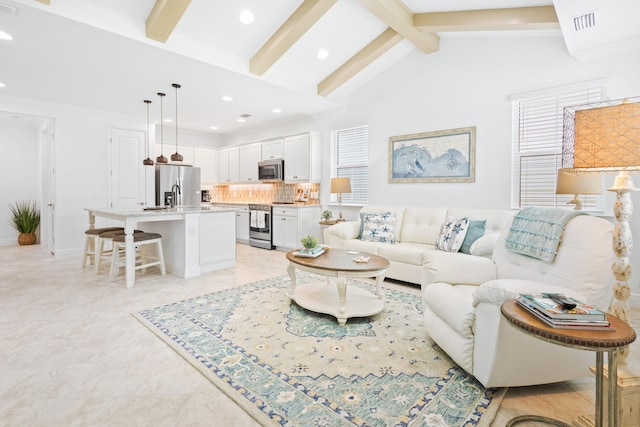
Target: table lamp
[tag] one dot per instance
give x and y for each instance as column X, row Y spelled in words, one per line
column 605, row 137
column 340, row 185
column 573, row 183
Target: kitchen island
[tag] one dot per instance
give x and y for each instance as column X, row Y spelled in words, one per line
column 195, row 240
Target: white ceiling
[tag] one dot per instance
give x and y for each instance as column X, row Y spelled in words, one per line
column 94, row 53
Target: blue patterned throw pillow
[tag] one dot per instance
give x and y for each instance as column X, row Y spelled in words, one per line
column 452, row 234
column 378, row 227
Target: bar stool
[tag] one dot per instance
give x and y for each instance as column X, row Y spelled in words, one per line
column 141, row 240
column 102, row 254
column 91, row 243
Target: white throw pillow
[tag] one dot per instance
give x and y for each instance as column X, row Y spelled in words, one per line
column 484, row 245
column 378, row 227
column 452, row 234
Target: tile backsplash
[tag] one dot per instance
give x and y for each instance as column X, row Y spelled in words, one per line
column 265, row 193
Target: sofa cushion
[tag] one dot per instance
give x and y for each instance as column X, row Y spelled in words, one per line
column 409, row 253
column 474, row 232
column 379, row 227
column 452, row 234
column 362, row 246
column 421, row 225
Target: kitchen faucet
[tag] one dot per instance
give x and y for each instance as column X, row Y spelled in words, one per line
column 175, row 191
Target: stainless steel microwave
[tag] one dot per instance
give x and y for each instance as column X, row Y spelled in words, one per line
column 271, row 170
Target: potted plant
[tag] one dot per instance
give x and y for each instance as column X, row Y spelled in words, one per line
column 309, row 243
column 327, row 215
column 25, row 218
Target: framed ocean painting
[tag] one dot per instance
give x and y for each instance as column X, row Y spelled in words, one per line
column 440, row 156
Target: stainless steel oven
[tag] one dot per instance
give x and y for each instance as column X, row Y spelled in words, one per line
column 261, row 226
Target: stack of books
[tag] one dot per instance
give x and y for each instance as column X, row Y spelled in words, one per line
column 561, row 312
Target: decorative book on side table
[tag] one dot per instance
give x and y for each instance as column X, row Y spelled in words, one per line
column 569, row 313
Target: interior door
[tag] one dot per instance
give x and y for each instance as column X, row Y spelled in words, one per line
column 47, row 227
column 127, row 171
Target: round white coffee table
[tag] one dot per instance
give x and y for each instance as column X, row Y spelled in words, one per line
column 321, row 297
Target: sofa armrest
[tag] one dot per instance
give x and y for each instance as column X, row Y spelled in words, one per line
column 456, row 268
column 335, row 235
column 345, row 230
column 499, row 291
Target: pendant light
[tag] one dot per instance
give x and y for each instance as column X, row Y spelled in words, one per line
column 176, row 157
column 161, row 158
column 147, row 161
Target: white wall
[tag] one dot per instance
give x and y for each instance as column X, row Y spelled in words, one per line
column 21, row 170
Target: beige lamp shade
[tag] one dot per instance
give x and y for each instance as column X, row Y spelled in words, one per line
column 602, row 137
column 572, row 183
column 340, row 185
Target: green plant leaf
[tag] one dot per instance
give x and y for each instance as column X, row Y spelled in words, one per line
column 25, row 216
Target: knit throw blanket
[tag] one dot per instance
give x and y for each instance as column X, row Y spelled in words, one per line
column 536, row 232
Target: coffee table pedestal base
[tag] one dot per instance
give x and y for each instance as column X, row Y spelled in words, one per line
column 323, row 298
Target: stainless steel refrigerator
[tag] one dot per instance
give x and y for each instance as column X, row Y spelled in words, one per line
column 179, row 182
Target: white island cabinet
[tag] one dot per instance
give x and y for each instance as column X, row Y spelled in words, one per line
column 194, row 240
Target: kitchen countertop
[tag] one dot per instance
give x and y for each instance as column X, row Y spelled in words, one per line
column 159, row 211
column 280, row 205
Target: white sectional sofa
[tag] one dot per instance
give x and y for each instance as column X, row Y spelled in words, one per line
column 415, row 231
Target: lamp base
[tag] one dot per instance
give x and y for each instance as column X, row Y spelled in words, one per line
column 576, row 201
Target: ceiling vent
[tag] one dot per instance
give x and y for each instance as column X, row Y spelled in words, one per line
column 7, row 8
column 585, row 21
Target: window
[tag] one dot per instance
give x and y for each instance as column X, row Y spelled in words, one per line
column 537, row 145
column 351, row 160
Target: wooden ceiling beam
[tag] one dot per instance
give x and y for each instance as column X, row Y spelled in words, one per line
column 359, row 61
column 518, row 18
column 164, row 17
column 397, row 16
column 47, row 2
column 304, row 17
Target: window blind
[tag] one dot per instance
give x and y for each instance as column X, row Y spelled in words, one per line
column 537, row 147
column 352, row 161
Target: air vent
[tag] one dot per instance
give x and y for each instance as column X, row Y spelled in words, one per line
column 584, row 22
column 7, row 8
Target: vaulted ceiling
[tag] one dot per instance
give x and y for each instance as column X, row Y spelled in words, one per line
column 112, row 54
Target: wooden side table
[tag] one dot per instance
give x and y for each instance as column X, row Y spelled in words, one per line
column 326, row 224
column 598, row 341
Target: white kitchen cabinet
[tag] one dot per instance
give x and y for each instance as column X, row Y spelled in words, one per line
column 302, row 157
column 229, row 166
column 273, row 149
column 207, row 160
column 250, row 155
column 291, row 224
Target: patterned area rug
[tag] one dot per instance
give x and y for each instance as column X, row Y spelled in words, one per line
column 285, row 365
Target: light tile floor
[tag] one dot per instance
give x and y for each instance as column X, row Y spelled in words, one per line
column 72, row 355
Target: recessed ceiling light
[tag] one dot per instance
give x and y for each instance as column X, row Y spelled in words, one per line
column 2, row 84
column 323, row 53
column 241, row 120
column 227, row 98
column 214, row 127
column 5, row 36
column 246, row 17
column 168, row 120
column 276, row 110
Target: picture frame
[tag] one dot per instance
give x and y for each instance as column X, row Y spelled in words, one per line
column 439, row 156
